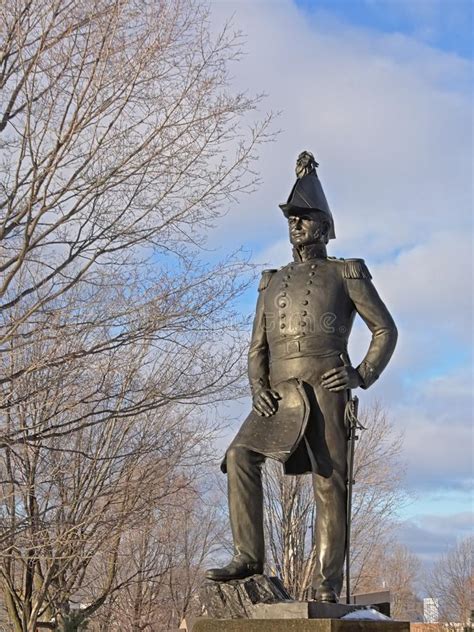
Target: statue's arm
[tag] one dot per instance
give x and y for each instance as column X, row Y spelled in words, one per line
column 376, row 316
column 258, row 351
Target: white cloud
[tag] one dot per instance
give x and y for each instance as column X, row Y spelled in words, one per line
column 382, row 115
column 430, row 284
column 389, row 119
column 430, row 535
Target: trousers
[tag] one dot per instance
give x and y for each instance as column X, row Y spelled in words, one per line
column 245, row 495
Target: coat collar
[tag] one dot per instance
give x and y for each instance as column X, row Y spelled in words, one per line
column 309, row 252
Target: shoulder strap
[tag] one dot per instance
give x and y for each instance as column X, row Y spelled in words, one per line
column 356, row 269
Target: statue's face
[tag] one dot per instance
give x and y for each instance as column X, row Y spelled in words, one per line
column 307, row 229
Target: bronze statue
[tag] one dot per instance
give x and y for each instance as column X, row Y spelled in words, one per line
column 301, row 380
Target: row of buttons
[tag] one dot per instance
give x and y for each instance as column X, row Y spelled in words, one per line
column 303, row 313
column 282, row 303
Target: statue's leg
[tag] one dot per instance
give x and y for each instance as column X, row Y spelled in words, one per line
column 244, row 482
column 245, row 493
column 330, row 495
column 330, row 535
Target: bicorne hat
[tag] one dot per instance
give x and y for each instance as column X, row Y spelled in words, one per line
column 307, row 195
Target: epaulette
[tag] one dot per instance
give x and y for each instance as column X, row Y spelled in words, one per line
column 356, row 269
column 265, row 280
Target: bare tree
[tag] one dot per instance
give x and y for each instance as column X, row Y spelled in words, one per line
column 170, row 552
column 378, row 494
column 66, row 503
column 289, row 522
column 120, row 143
column 394, row 567
column 69, row 507
column 399, row 571
column 116, row 133
column 451, row 582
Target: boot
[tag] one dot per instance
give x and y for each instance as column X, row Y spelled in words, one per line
column 236, row 569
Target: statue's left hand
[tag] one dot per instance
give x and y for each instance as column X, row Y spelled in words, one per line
column 342, row 377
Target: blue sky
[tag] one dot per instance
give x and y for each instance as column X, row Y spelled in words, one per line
column 444, row 24
column 381, row 92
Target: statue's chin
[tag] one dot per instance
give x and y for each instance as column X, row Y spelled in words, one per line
column 299, row 241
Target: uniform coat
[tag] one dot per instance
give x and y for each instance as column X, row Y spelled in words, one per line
column 302, row 324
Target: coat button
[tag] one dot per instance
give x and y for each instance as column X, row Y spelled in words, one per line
column 282, row 315
column 305, row 302
column 304, row 313
column 282, row 293
column 313, row 266
column 303, row 323
column 309, row 283
column 284, row 285
column 308, row 291
column 311, row 274
column 282, row 326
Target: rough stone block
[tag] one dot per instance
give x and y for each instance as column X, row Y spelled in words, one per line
column 298, row 625
column 236, row 599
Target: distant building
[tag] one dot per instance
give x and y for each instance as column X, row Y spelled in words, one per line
column 430, row 610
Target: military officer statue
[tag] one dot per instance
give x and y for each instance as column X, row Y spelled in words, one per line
column 301, row 380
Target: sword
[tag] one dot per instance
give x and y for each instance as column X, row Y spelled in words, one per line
column 353, row 425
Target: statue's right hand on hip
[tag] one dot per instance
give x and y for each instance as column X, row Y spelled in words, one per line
column 265, row 402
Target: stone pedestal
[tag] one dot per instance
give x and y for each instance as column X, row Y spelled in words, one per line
column 262, row 597
column 261, row 604
column 302, row 610
column 297, row 625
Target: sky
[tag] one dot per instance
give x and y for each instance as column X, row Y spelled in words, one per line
column 381, row 92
